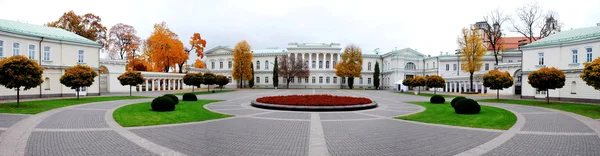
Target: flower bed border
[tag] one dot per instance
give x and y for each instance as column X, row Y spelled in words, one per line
column 313, row 108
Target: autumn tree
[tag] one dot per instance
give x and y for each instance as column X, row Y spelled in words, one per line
column 492, row 31
column 209, row 79
column 78, row 76
column 87, row 25
column 242, row 58
column 407, row 82
column 138, row 64
column 531, row 19
column 199, row 64
column 434, row 81
column 19, row 72
column 292, row 67
column 197, row 45
column 251, row 81
column 131, row 78
column 591, row 73
column 166, row 51
column 547, row 78
column 471, row 52
column 376, row 74
column 222, row 81
column 497, row 80
column 419, row 81
column 122, row 40
column 351, row 63
column 193, row 79
column 276, row 74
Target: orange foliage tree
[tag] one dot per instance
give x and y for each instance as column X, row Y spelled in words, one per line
column 122, row 40
column 419, row 81
column 138, row 64
column 242, row 58
column 78, row 76
column 471, row 52
column 497, row 80
column 87, row 25
column 351, row 64
column 547, row 78
column 166, row 51
column 199, row 64
column 20, row 72
column 197, row 45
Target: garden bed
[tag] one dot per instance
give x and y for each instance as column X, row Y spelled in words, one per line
column 323, row 102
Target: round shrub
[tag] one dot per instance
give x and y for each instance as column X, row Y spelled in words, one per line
column 163, row 104
column 453, row 102
column 437, row 99
column 189, row 97
column 175, row 99
column 467, row 106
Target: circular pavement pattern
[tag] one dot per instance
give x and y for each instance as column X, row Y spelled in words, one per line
column 90, row 130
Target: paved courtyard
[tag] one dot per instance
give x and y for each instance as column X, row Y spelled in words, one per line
column 90, row 130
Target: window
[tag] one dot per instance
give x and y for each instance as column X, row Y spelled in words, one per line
column 360, row 81
column 230, row 79
column 1, row 48
column 212, row 65
column 434, row 65
column 454, row 67
column 588, row 56
column 299, row 80
column 220, row 65
column 314, row 80
column 510, row 61
column 410, row 66
column 16, row 49
column 266, row 79
column 334, row 79
column 447, row 67
column 229, row 64
column 47, row 53
column 306, row 79
column 266, row 64
column 257, row 79
column 80, row 56
column 320, row 64
column 540, row 58
column 487, row 66
column 327, row 64
column 327, row 79
column 333, row 64
column 306, row 62
column 320, row 79
column 314, row 64
column 575, row 56
column 31, row 51
column 343, row 80
column 369, row 66
column 573, row 87
column 257, row 64
column 292, row 80
column 47, row 84
column 427, row 65
column 369, row 81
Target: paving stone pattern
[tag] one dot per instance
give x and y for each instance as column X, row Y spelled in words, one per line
column 554, row 123
column 534, row 144
column 73, row 119
column 7, row 120
column 286, row 115
column 81, row 143
column 343, row 116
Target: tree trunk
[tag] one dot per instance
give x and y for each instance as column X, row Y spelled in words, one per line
column 434, row 91
column 208, row 88
column 77, row 94
column 547, row 97
column 497, row 95
column 18, row 100
column 192, row 89
column 496, row 56
column 130, row 90
column 419, row 92
column 288, row 84
column 471, row 83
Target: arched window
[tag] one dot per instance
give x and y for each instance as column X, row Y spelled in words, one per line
column 369, row 66
column 573, row 87
column 47, row 83
column 257, row 64
column 410, row 66
column 266, row 64
column 327, row 64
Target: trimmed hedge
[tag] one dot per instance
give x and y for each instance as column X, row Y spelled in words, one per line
column 163, row 104
column 437, row 99
column 453, row 102
column 467, row 106
column 173, row 97
column 189, row 97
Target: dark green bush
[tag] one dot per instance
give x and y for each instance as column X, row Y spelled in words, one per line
column 163, row 104
column 467, row 106
column 437, row 99
column 175, row 99
column 189, row 97
column 453, row 102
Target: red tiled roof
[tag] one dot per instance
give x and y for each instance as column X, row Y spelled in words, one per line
column 511, row 42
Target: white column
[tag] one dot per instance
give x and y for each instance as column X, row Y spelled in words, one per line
column 151, row 84
column 310, row 60
column 317, row 61
column 446, row 88
column 169, row 85
column 147, row 85
column 330, row 60
column 477, row 86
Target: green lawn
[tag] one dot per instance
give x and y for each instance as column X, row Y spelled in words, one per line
column 426, row 94
column 200, row 92
column 592, row 111
column 489, row 117
column 34, row 107
column 141, row 114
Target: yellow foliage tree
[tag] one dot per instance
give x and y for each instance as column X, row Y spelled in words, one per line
column 351, row 64
column 199, row 64
column 165, row 48
column 242, row 58
column 472, row 52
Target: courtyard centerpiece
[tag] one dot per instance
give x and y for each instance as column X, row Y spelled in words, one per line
column 323, row 102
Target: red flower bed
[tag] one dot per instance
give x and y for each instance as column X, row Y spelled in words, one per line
column 314, row 100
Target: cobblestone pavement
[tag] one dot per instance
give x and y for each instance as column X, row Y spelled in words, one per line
column 90, row 130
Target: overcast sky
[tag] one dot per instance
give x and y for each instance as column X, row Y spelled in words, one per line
column 428, row 26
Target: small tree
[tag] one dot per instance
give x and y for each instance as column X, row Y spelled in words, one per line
column 222, row 81
column 497, row 80
column 131, row 78
column 591, row 73
column 419, row 81
column 547, row 78
column 20, row 71
column 193, row 79
column 251, row 82
column 434, row 81
column 407, row 82
column 78, row 76
column 276, row 74
column 350, row 64
column 210, row 79
column 376, row 76
column 292, row 67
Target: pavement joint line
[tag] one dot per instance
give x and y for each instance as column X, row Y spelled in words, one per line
column 15, row 114
column 400, row 111
column 361, row 119
column 178, row 124
column 283, row 119
column 541, row 113
column 373, row 115
column 146, row 144
column 317, row 144
column 93, row 109
column 71, row 130
column 553, row 133
column 218, row 109
column 255, row 114
column 450, row 126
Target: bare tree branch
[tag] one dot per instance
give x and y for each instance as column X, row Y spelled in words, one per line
column 493, row 31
